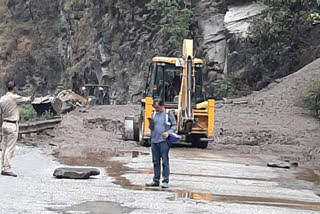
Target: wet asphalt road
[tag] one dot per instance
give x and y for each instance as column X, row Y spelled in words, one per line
column 200, row 183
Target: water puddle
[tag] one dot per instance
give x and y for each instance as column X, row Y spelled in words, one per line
column 92, row 157
column 226, row 177
column 101, row 158
column 95, row 207
column 311, row 175
column 275, row 202
column 134, row 154
column 117, row 170
column 150, row 172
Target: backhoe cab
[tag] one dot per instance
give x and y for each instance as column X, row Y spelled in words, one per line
column 178, row 82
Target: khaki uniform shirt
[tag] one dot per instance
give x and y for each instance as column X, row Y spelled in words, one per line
column 9, row 106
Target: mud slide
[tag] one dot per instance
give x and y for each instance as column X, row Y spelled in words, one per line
column 272, row 122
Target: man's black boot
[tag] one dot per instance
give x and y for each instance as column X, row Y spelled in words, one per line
column 8, row 174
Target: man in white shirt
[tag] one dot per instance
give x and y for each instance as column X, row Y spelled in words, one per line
column 9, row 121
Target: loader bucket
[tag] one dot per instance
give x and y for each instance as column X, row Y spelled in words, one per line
column 43, row 104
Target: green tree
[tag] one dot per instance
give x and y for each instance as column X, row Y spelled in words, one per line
column 178, row 17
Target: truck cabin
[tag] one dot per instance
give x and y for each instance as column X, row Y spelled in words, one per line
column 164, row 80
column 96, row 93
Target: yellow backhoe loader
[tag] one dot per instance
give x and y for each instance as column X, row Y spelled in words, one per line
column 178, row 82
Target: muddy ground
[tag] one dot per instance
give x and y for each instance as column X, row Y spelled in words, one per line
column 230, row 176
column 200, row 182
column 273, row 122
column 269, row 122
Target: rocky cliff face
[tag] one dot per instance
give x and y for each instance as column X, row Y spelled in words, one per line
column 221, row 23
column 48, row 45
column 70, row 43
column 28, row 45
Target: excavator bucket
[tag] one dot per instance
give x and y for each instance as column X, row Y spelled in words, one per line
column 64, row 102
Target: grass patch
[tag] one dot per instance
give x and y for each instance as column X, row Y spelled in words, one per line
column 27, row 114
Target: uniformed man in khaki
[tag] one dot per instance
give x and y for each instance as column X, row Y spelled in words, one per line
column 9, row 121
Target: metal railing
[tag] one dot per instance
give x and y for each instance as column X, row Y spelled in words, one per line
column 37, row 126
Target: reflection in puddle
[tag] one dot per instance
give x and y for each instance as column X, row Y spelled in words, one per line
column 95, row 207
column 193, row 195
column 136, row 154
column 133, row 154
column 145, row 171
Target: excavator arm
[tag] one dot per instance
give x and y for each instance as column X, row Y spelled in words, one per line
column 185, row 113
column 199, row 121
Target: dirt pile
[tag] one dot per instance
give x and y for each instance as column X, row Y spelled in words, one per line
column 83, row 130
column 271, row 121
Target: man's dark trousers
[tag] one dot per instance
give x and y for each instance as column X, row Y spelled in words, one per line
column 160, row 151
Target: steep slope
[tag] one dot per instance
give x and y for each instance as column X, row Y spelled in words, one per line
column 272, row 122
column 49, row 45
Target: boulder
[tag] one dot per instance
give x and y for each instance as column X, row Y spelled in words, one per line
column 75, row 173
column 237, row 19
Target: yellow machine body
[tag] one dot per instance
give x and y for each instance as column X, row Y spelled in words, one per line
column 192, row 120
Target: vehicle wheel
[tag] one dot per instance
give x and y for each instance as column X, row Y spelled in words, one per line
column 203, row 144
column 128, row 128
column 142, row 141
column 136, row 128
column 196, row 142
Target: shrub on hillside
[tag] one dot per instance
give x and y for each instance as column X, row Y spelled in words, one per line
column 223, row 89
column 47, row 115
column 275, row 43
column 310, row 96
column 27, row 113
column 178, row 18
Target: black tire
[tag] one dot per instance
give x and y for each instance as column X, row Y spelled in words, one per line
column 142, row 141
column 203, row 144
column 197, row 142
column 136, row 128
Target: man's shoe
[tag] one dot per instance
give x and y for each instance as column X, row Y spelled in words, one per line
column 8, row 174
column 152, row 184
column 165, row 185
